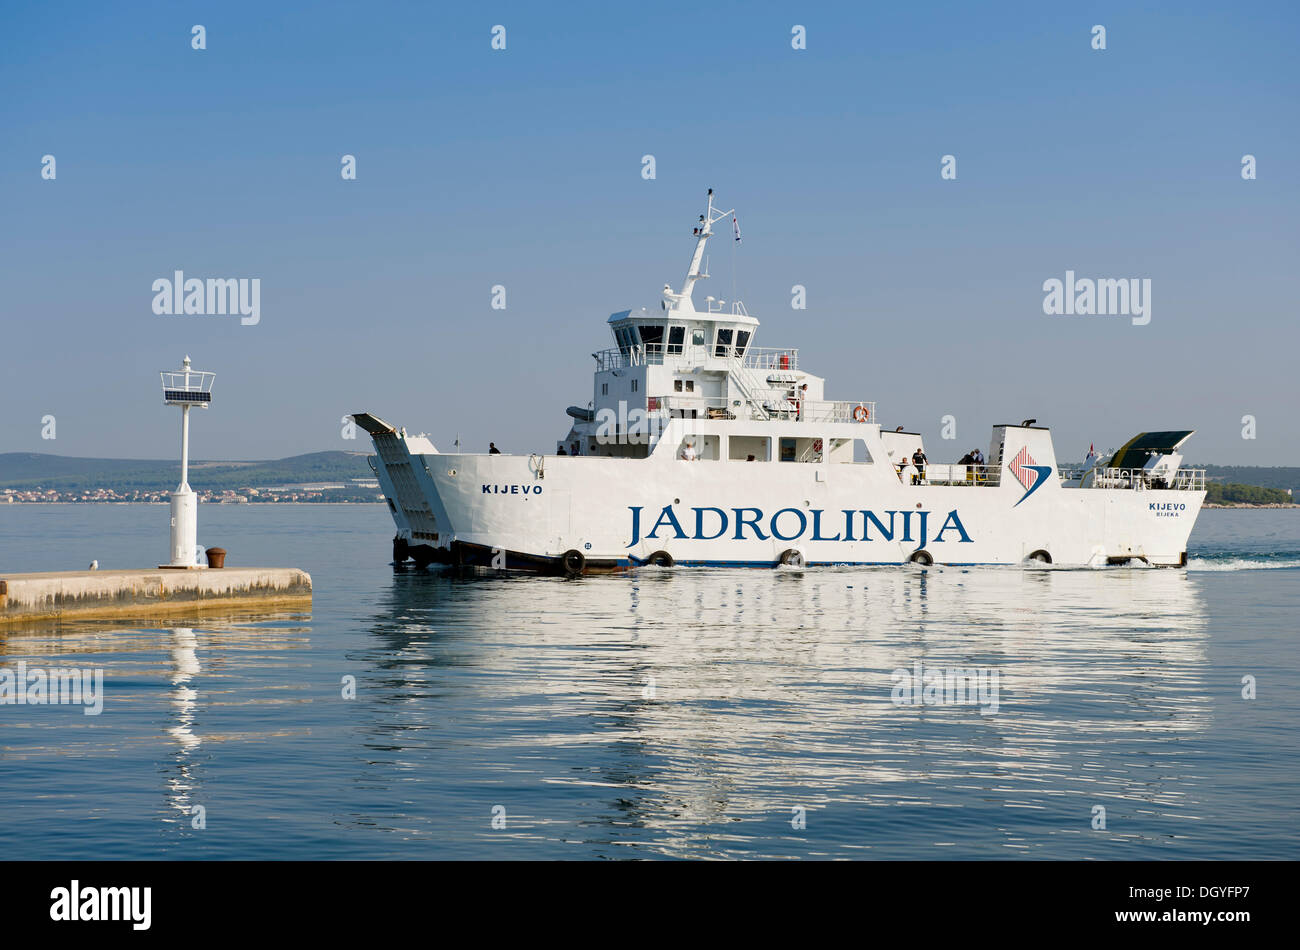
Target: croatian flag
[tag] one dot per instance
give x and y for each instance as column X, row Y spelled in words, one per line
column 735, row 225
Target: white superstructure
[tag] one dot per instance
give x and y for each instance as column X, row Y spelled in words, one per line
column 701, row 448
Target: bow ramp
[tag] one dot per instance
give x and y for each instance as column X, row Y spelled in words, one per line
column 404, row 477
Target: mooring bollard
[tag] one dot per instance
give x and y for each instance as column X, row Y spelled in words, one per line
column 216, row 557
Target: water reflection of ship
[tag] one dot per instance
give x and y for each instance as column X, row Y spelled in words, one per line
column 711, row 688
column 873, row 620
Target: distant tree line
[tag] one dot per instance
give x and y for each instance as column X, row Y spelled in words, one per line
column 1230, row 493
column 1266, row 476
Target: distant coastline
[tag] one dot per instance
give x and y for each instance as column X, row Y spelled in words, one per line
column 345, row 477
column 377, row 501
column 1244, row 504
column 315, row 478
column 268, row 501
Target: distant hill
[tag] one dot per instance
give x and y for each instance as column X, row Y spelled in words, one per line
column 29, row 470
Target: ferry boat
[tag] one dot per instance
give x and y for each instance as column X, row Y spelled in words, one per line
column 699, row 448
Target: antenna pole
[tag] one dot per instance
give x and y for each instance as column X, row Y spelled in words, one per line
column 703, row 233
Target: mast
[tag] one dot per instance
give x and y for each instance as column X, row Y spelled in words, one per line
column 703, row 231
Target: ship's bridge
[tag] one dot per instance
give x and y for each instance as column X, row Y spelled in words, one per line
column 679, row 362
column 644, row 337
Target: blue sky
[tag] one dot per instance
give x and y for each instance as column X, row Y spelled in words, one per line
column 522, row 167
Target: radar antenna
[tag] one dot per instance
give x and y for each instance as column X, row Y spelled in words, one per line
column 681, row 302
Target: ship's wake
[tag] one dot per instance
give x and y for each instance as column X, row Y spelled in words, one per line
column 1281, row 560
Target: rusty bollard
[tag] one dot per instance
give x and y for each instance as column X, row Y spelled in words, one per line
column 216, row 557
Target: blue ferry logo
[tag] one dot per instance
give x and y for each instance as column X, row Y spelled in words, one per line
column 1029, row 473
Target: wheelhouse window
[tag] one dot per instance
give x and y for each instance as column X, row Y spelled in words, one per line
column 651, row 336
column 624, row 337
column 697, row 336
column 676, row 339
column 723, row 345
column 742, row 341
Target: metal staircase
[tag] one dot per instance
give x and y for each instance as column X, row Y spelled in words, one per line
column 749, row 383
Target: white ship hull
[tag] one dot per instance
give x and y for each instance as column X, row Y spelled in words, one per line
column 520, row 512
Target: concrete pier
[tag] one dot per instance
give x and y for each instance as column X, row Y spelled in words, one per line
column 89, row 594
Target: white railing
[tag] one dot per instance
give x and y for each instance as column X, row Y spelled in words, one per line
column 1138, row 479
column 818, row 410
column 776, row 407
column 617, row 358
column 944, row 474
column 768, row 359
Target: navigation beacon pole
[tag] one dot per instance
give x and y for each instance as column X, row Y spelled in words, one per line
column 187, row 388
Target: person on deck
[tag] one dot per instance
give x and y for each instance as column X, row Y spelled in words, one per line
column 906, row 470
column 971, row 464
column 492, row 449
column 688, row 452
column 968, row 460
column 919, row 460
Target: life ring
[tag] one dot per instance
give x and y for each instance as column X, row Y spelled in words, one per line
column 660, row 559
column 574, row 562
column 861, row 414
column 817, row 445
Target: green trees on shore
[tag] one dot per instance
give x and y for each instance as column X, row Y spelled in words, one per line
column 1230, row 493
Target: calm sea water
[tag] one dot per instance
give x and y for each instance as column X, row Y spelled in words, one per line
column 669, row 713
